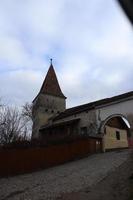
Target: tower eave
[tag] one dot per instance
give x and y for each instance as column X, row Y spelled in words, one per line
column 62, row 96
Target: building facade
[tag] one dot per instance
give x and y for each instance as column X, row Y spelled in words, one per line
column 110, row 119
column 49, row 102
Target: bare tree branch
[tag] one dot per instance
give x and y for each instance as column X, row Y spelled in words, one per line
column 12, row 125
column 27, row 111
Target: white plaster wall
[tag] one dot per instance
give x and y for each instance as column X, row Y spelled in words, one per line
column 125, row 108
column 87, row 118
column 110, row 140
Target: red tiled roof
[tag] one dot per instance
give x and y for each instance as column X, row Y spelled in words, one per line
column 51, row 85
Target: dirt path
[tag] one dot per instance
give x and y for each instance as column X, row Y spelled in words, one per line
column 118, row 185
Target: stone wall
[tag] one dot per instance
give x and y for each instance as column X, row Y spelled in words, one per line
column 87, row 119
column 45, row 107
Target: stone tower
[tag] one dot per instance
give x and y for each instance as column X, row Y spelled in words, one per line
column 49, row 102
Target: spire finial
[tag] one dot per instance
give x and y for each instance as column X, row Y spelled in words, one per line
column 51, row 61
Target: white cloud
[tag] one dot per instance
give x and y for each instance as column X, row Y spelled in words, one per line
column 18, row 85
column 12, row 51
column 116, row 43
column 91, row 44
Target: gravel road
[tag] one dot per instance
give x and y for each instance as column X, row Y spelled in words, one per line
column 71, row 177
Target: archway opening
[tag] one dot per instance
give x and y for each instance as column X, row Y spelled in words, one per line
column 118, row 122
column 116, row 131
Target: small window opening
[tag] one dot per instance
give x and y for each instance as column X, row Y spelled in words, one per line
column 83, row 130
column 117, row 135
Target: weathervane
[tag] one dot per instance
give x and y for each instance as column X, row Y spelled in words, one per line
column 51, row 61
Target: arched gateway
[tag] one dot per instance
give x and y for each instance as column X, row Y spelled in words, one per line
column 115, row 130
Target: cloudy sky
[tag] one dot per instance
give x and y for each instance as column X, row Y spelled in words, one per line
column 91, row 43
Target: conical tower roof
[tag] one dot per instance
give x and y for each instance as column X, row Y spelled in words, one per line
column 51, row 85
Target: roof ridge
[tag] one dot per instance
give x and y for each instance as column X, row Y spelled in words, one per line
column 92, row 102
column 91, row 105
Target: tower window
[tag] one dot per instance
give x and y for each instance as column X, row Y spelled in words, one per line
column 52, row 111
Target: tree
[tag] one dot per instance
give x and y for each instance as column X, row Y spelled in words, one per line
column 27, row 117
column 27, row 111
column 12, row 125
